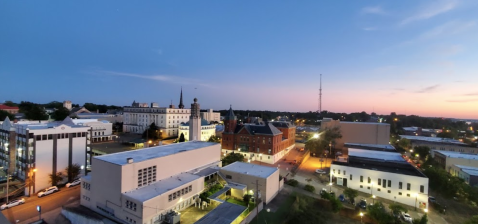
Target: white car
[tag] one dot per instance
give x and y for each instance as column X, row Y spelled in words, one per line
column 406, row 217
column 47, row 191
column 12, row 203
column 74, row 183
column 319, row 171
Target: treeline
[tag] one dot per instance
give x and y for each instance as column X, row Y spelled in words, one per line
column 34, row 111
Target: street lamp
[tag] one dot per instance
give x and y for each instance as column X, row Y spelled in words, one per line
column 330, row 184
column 361, row 215
column 373, row 199
column 371, row 188
column 425, row 210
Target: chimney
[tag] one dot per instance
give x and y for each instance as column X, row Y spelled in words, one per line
column 129, row 160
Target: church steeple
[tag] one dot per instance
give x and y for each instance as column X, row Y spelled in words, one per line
column 181, row 105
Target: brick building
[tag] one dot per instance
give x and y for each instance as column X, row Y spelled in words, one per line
column 263, row 141
column 12, row 110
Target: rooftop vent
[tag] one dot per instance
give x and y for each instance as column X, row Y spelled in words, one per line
column 129, row 160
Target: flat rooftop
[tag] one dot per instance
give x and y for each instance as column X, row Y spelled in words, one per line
column 370, row 123
column 376, row 155
column 390, row 162
column 225, row 213
column 472, row 171
column 160, row 187
column 433, row 139
column 153, row 152
column 458, row 155
column 386, row 147
column 250, row 169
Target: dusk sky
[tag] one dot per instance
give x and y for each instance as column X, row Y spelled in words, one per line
column 409, row 57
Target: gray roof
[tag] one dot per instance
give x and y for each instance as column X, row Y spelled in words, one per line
column 378, row 147
column 433, row 139
column 458, row 155
column 267, row 129
column 153, row 152
column 225, row 213
column 472, row 171
column 251, row 169
column 282, row 124
column 230, row 115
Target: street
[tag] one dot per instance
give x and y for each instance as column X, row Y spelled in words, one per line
column 20, row 213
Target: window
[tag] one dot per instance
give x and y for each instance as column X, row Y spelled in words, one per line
column 86, row 186
column 422, row 189
column 389, row 191
column 361, row 179
column 334, row 170
column 379, row 181
column 399, row 185
column 228, row 177
column 389, row 183
column 399, row 193
column 345, row 172
column 50, row 137
column 369, row 180
column 378, row 189
column 338, row 171
column 146, row 176
column 409, row 186
column 44, row 137
column 38, row 137
column 368, row 187
column 350, row 176
column 384, row 184
column 131, row 205
column 408, row 195
column 361, row 186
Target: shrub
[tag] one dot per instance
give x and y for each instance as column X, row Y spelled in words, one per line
column 247, row 198
column 309, row 188
column 293, row 182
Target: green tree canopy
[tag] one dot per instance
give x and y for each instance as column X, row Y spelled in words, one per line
column 73, row 171
column 60, row 114
column 423, row 151
column 55, row 178
column 32, row 111
column 5, row 114
column 232, row 158
column 10, row 103
column 350, row 193
column 153, row 133
column 379, row 214
column 214, row 138
column 320, row 144
column 472, row 220
column 304, row 210
column 404, row 143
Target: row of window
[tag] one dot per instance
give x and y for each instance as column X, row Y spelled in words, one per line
column 131, row 205
column 384, row 183
column 60, row 136
column 86, row 185
column 130, row 220
column 146, row 175
column 178, row 194
column 86, row 198
column 399, row 193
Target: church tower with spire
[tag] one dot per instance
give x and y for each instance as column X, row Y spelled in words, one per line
column 195, row 122
column 181, row 105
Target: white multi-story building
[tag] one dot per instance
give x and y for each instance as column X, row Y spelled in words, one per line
column 46, row 148
column 207, row 130
column 100, row 131
column 144, row 186
column 211, row 116
column 383, row 174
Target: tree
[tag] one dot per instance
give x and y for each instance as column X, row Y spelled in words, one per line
column 181, row 138
column 423, row 151
column 472, row 220
column 320, row 144
column 303, row 210
column 73, row 171
column 214, row 138
column 404, row 143
column 10, row 103
column 55, row 178
column 60, row 114
column 350, row 193
column 232, row 158
column 335, row 203
column 247, row 198
column 153, row 133
column 379, row 214
column 5, row 114
column 32, row 111
column 309, row 188
column 422, row 220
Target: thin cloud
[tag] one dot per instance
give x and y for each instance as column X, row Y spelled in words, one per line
column 428, row 89
column 432, row 10
column 471, row 94
column 373, row 10
column 160, row 78
column 448, row 28
column 370, row 28
column 462, row 101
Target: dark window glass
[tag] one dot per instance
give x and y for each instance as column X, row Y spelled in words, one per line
column 50, row 137
column 38, row 137
column 44, row 137
column 408, row 186
column 422, row 189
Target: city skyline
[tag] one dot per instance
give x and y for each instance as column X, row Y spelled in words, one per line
column 404, row 57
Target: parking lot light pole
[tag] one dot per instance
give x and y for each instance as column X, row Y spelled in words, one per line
column 361, row 216
column 330, row 189
column 373, row 199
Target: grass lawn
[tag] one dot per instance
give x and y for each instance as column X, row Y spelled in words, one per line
column 237, row 202
column 279, row 215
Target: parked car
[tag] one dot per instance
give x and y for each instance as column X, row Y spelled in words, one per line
column 319, row 171
column 432, row 199
column 362, row 204
column 406, row 217
column 73, row 183
column 47, row 191
column 342, row 198
column 12, row 203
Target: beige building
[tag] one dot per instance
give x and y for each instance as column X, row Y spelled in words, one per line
column 211, row 116
column 468, row 173
column 243, row 177
column 151, row 184
column 358, row 132
column 442, row 144
column 447, row 159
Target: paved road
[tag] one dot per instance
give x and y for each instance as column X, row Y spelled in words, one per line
column 47, row 203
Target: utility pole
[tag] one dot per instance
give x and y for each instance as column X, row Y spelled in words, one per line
column 320, row 95
column 257, row 198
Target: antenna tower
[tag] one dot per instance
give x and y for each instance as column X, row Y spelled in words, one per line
column 320, row 95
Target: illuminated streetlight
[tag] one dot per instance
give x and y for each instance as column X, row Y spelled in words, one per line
column 330, row 184
column 373, row 199
column 361, row 215
column 425, row 210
